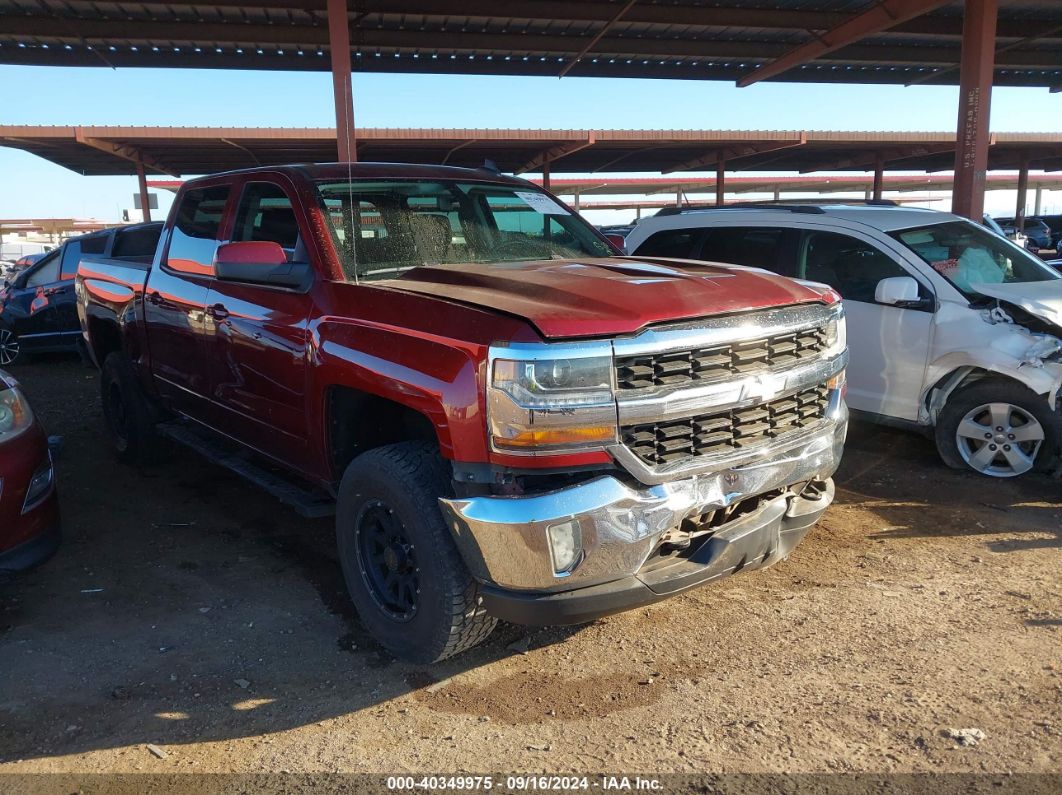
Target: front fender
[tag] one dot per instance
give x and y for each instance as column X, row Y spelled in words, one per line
column 436, row 377
column 1044, row 380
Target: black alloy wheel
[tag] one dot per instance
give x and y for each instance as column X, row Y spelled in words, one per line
column 388, row 561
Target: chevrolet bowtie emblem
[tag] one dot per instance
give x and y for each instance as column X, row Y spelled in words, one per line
column 764, row 386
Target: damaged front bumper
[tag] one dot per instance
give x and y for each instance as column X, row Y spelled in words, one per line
column 767, row 505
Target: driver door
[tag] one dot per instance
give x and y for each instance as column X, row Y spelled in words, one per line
column 888, row 345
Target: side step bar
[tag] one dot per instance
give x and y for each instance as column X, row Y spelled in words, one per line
column 308, row 501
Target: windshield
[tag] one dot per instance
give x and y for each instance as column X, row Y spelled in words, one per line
column 383, row 229
column 967, row 255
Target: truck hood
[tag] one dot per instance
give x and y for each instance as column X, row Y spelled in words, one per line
column 1042, row 299
column 606, row 296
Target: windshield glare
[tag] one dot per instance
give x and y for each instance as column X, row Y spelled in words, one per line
column 382, row 229
column 967, row 255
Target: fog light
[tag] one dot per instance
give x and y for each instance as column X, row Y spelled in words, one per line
column 565, row 546
column 40, row 486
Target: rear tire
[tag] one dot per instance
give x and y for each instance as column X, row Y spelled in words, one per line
column 405, row 576
column 998, row 429
column 128, row 413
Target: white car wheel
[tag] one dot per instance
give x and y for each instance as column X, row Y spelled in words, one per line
column 999, row 439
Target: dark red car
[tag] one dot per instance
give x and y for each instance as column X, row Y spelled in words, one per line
column 29, row 508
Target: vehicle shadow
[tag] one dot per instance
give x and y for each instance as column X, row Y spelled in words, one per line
column 186, row 606
column 917, row 496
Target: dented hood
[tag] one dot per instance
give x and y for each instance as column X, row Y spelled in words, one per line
column 608, row 296
column 1042, row 299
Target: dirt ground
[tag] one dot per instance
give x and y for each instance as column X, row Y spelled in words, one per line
column 189, row 611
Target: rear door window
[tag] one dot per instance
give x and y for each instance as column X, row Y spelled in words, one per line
column 677, row 243
column 194, row 239
column 137, row 244
column 81, row 247
column 753, row 246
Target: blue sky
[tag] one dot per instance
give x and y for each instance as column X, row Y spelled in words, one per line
column 32, row 187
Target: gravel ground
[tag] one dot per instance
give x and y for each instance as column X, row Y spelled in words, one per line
column 191, row 624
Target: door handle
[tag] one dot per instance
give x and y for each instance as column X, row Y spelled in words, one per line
column 218, row 311
column 154, row 298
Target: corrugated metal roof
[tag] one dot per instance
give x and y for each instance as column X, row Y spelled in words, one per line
column 723, row 40
column 200, row 150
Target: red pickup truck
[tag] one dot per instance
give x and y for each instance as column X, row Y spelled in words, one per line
column 508, row 419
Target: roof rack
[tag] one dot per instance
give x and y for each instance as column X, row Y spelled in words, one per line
column 818, row 202
column 809, row 206
column 793, row 208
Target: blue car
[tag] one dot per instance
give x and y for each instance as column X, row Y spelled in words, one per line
column 1037, row 233
column 38, row 308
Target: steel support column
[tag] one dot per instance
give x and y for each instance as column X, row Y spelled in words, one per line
column 545, row 174
column 145, row 204
column 1023, row 192
column 339, row 44
column 879, row 176
column 975, row 98
column 720, row 182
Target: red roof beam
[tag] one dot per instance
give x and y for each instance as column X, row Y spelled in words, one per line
column 886, row 14
column 556, row 153
column 732, row 153
column 864, row 161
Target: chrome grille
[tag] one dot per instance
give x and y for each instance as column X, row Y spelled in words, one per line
column 690, row 367
column 725, row 431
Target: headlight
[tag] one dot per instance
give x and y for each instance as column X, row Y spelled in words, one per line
column 551, row 398
column 15, row 414
column 836, row 334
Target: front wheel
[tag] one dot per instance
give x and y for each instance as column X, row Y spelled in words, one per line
column 9, row 347
column 405, row 576
column 1000, row 429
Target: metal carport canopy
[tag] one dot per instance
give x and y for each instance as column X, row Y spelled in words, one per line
column 202, row 150
column 848, row 41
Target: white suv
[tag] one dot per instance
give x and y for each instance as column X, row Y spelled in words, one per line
column 950, row 327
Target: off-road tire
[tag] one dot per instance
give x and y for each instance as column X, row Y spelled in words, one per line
column 407, row 479
column 997, row 390
column 128, row 414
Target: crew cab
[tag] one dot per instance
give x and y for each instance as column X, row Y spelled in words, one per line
column 509, row 420
column 38, row 310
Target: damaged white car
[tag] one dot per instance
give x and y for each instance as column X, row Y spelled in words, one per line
column 951, row 329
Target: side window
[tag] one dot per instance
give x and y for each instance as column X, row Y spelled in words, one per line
column 678, row 243
column 137, row 244
column 265, row 213
column 47, row 271
column 752, row 246
column 194, row 239
column 76, row 249
column 853, row 268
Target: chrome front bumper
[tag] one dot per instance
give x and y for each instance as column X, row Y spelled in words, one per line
column 504, row 542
